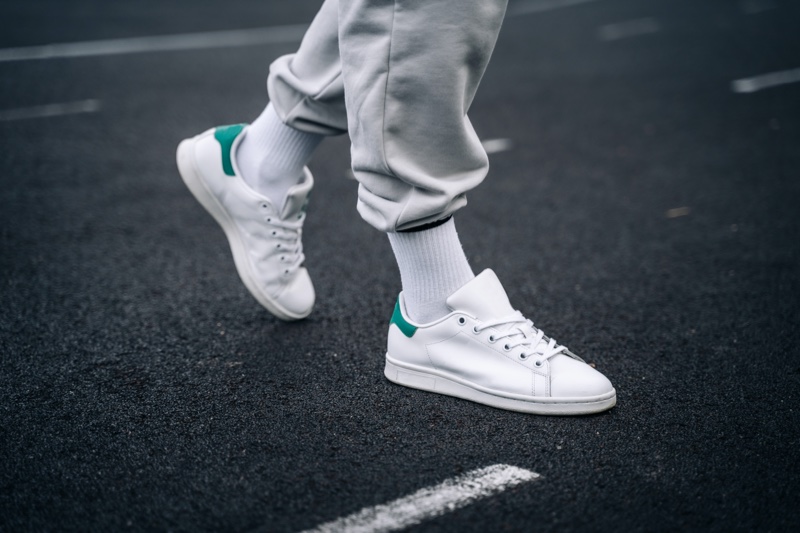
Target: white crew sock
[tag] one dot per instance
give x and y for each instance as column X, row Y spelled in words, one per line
column 432, row 267
column 272, row 155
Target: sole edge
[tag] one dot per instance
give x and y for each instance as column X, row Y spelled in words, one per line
column 417, row 379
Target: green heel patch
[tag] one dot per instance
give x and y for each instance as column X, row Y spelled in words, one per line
column 398, row 320
column 225, row 135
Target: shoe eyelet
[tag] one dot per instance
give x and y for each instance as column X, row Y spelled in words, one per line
column 269, row 219
column 462, row 320
column 506, row 347
column 491, row 338
column 523, row 356
column 278, row 245
column 274, row 233
column 538, row 363
column 263, row 206
column 475, row 330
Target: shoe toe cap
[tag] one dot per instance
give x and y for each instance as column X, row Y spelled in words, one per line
column 570, row 378
column 298, row 297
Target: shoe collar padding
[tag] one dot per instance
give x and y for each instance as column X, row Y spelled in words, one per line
column 483, row 297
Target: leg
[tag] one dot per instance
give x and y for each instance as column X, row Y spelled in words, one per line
column 410, row 70
column 253, row 179
column 306, row 103
column 306, row 87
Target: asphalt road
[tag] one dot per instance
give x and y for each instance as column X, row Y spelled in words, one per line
column 647, row 216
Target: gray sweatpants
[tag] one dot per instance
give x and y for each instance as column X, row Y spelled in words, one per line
column 399, row 76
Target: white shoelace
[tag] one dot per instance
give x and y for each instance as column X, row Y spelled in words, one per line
column 291, row 232
column 520, row 331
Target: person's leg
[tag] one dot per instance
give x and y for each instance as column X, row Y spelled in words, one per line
column 306, row 104
column 306, row 87
column 410, row 70
column 253, row 179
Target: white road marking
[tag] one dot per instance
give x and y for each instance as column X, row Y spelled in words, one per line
column 628, row 28
column 676, row 212
column 50, row 110
column 492, row 146
column 431, row 501
column 159, row 43
column 527, row 7
column 765, row 81
column 753, row 7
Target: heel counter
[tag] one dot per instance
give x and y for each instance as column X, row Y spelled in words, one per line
column 225, row 135
column 400, row 321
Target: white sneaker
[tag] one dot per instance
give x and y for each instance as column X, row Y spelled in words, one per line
column 487, row 352
column 265, row 239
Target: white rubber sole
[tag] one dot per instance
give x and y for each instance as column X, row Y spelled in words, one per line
column 439, row 382
column 197, row 186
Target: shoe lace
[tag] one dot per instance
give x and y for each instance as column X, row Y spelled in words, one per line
column 289, row 233
column 520, row 331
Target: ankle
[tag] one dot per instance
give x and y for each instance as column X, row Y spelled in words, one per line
column 272, row 155
column 432, row 266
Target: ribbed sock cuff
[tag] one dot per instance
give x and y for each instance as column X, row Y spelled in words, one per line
column 272, row 155
column 432, row 267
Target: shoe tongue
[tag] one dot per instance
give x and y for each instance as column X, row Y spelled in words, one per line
column 297, row 197
column 483, row 297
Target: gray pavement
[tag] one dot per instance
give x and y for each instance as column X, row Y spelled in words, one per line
column 647, row 216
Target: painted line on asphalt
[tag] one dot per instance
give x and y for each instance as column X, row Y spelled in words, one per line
column 431, row 501
column 677, row 212
column 754, row 7
column 527, row 7
column 159, row 43
column 50, row 110
column 492, row 146
column 766, row 81
column 628, row 28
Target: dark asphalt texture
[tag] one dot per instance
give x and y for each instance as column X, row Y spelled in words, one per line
column 144, row 389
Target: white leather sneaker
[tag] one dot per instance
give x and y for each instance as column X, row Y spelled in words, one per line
column 487, row 352
column 265, row 239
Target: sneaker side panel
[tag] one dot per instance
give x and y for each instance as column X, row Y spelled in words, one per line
column 449, row 358
column 450, row 349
